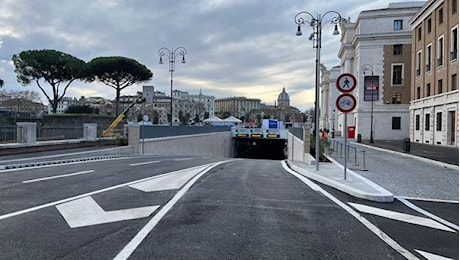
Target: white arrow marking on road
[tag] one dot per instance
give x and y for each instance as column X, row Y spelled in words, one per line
column 431, row 256
column 400, row 217
column 86, row 212
column 170, row 181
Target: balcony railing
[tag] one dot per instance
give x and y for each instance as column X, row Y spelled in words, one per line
column 453, row 55
column 428, row 67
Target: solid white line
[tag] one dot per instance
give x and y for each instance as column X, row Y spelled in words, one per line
column 428, row 214
column 411, row 219
column 54, row 203
column 374, row 229
column 183, row 159
column 143, row 163
column 139, row 237
column 58, row 176
column 427, row 199
column 431, row 256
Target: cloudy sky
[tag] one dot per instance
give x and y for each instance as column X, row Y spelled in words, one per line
column 234, row 47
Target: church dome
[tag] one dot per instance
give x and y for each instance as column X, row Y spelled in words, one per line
column 283, row 98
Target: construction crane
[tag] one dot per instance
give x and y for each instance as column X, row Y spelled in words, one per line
column 109, row 132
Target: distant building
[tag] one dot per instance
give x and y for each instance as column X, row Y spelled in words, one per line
column 283, row 99
column 236, row 106
column 434, row 90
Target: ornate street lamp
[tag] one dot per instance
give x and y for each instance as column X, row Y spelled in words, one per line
column 364, row 68
column 316, row 23
column 172, row 55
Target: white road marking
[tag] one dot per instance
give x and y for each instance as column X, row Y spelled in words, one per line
column 172, row 181
column 428, row 214
column 426, row 222
column 143, row 163
column 426, row 199
column 57, row 176
column 86, row 212
column 183, row 159
column 54, row 203
column 374, row 229
column 431, row 256
column 126, row 252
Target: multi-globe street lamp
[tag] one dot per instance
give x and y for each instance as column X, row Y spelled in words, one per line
column 172, row 55
column 365, row 68
column 316, row 23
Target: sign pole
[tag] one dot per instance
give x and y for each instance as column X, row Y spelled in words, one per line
column 345, row 128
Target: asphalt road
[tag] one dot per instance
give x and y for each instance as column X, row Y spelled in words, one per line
column 203, row 208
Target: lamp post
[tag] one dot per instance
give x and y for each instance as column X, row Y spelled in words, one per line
column 317, row 24
column 364, row 68
column 172, row 55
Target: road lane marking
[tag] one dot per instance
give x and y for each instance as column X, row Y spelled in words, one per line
column 58, row 176
column 126, row 252
column 374, row 229
column 168, row 182
column 428, row 199
column 428, row 214
column 143, row 163
column 431, row 256
column 182, row 159
column 86, row 212
column 411, row 219
column 54, row 203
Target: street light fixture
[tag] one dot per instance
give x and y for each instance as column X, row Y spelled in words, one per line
column 172, row 55
column 317, row 24
column 364, row 68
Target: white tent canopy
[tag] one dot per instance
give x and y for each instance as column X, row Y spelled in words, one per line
column 212, row 119
column 232, row 119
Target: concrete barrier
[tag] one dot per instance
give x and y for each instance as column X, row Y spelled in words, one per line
column 217, row 144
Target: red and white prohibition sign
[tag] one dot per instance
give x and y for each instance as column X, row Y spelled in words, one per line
column 345, row 103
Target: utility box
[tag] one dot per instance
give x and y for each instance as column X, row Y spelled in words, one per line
column 351, row 132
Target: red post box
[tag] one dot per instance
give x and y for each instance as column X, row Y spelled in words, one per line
column 351, row 131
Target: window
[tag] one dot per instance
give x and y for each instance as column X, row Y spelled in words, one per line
column 427, row 122
column 398, row 25
column 453, row 82
column 453, row 43
column 418, row 92
column 397, row 49
column 428, row 89
column 396, row 123
column 417, row 122
column 418, row 61
column 440, row 16
column 396, row 98
column 440, row 52
column 454, row 6
column 428, row 58
column 439, row 86
column 428, row 25
column 397, row 74
column 438, row 121
column 419, row 33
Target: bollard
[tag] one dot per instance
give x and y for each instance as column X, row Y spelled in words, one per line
column 364, row 161
column 356, row 157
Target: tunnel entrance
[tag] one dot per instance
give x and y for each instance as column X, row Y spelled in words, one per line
column 272, row 149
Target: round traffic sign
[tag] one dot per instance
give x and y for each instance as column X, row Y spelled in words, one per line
column 345, row 103
column 346, row 82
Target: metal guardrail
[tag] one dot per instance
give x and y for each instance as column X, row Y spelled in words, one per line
column 337, row 146
column 8, row 134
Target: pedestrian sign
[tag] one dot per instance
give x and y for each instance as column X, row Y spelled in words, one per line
column 346, row 82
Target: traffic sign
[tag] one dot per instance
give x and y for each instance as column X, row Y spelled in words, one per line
column 346, row 82
column 346, row 103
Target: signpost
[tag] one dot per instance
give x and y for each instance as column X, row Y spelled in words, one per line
column 345, row 103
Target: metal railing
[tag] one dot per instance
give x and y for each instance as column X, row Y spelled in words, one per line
column 8, row 134
column 339, row 148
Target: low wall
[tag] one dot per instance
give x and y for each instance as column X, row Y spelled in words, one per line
column 217, row 144
column 298, row 150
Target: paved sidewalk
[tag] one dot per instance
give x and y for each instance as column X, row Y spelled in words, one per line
column 392, row 171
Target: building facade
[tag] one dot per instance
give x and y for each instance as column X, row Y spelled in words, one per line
column 329, row 94
column 376, row 49
column 236, row 106
column 434, row 91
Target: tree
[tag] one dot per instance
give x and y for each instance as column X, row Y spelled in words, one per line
column 80, row 109
column 54, row 67
column 1, row 83
column 118, row 73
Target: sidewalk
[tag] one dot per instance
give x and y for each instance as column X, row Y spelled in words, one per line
column 389, row 172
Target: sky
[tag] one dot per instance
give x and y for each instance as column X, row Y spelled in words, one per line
column 234, row 47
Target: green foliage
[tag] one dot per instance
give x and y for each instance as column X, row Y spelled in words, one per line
column 80, row 109
column 54, row 67
column 117, row 72
column 323, row 146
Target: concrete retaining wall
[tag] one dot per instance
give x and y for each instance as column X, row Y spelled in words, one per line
column 211, row 144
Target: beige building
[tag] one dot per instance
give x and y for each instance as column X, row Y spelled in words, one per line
column 434, row 89
column 236, row 106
